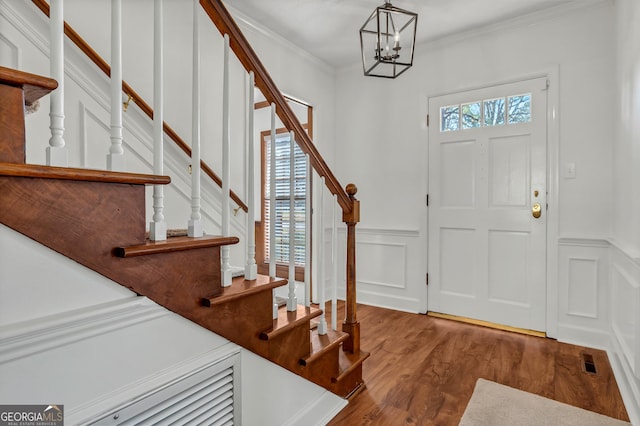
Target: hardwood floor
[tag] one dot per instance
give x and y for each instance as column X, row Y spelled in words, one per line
column 422, row 370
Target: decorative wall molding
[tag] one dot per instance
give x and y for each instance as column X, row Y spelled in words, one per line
column 583, row 242
column 625, row 318
column 398, row 256
column 396, row 232
column 399, row 272
column 249, row 24
column 629, row 386
column 604, row 272
column 582, row 287
column 49, row 332
column 629, row 253
column 514, row 23
column 14, row 52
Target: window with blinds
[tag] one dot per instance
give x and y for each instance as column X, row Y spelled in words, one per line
column 281, row 247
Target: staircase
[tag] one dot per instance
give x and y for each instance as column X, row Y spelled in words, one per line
column 97, row 218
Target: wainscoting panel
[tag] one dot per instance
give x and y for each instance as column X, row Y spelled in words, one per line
column 625, row 306
column 624, row 346
column 381, row 274
column 583, row 291
column 583, row 287
column 625, row 293
column 390, row 268
column 9, row 53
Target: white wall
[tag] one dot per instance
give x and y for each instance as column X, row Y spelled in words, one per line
column 626, row 150
column 382, row 142
column 624, row 277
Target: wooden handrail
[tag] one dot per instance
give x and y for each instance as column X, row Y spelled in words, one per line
column 33, row 86
column 102, row 64
column 225, row 23
column 87, row 175
column 222, row 19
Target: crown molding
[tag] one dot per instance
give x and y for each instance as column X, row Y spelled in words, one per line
column 247, row 23
column 550, row 14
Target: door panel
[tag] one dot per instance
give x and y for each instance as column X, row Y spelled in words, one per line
column 487, row 253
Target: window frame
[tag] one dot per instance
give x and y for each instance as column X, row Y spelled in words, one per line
column 282, row 270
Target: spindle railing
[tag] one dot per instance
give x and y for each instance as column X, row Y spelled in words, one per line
column 236, row 42
column 134, row 97
column 345, row 198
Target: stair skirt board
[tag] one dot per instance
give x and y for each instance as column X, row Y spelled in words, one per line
column 207, row 396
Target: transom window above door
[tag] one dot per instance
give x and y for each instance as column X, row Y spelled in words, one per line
column 506, row 110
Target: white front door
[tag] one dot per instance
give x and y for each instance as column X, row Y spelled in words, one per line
column 487, row 182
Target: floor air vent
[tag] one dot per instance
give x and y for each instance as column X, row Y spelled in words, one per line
column 205, row 397
column 588, row 364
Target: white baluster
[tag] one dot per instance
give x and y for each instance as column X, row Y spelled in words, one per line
column 272, row 195
column 272, row 204
column 158, row 227
column 56, row 151
column 307, row 238
column 251, row 268
column 334, row 264
column 292, row 301
column 115, row 158
column 226, row 168
column 322, row 322
column 194, row 227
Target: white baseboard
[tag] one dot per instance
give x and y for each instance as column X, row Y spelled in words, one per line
column 627, row 383
column 581, row 336
column 319, row 411
column 388, row 301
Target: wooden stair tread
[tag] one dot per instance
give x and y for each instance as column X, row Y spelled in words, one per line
column 174, row 244
column 320, row 344
column 33, row 86
column 349, row 362
column 240, row 288
column 287, row 320
column 88, row 175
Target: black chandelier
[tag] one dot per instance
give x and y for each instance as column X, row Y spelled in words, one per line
column 387, row 41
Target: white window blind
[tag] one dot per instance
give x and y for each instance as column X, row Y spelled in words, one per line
column 282, row 170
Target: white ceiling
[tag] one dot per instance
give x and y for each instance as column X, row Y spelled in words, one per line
column 328, row 29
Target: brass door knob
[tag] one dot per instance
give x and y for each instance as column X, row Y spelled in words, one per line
column 536, row 210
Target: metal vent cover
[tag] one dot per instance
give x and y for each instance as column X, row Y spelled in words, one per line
column 205, row 397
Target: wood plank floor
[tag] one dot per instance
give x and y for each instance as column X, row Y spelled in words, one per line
column 422, row 370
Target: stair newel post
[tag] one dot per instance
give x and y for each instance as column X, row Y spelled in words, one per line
column 115, row 158
column 194, row 227
column 322, row 324
column 57, row 151
column 158, row 227
column 307, row 233
column 272, row 205
column 351, row 324
column 226, row 165
column 251, row 268
column 292, row 301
